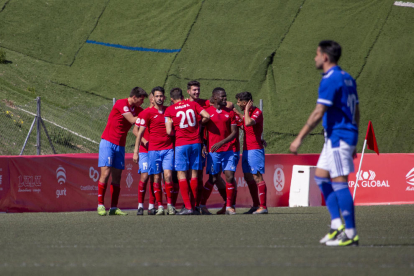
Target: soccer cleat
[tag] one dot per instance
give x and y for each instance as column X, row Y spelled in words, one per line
column 230, row 211
column 185, row 211
column 222, row 211
column 160, row 211
column 261, row 211
column 140, row 212
column 196, row 211
column 152, row 212
column 251, row 211
column 116, row 212
column 205, row 211
column 171, row 210
column 333, row 233
column 101, row 210
column 343, row 240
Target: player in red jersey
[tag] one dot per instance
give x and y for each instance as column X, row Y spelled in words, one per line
column 144, row 168
column 193, row 90
column 221, row 131
column 182, row 117
column 253, row 160
column 160, row 149
column 112, row 147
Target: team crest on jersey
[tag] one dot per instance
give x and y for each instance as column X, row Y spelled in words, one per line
column 226, row 116
column 126, row 109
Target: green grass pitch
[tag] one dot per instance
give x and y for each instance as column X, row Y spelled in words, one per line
column 285, row 242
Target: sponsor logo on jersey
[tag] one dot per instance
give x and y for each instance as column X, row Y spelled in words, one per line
column 138, row 121
column 368, row 179
column 279, row 179
column 226, row 116
column 126, row 109
column 410, row 180
column 142, row 122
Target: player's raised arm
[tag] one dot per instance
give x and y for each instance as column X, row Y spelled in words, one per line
column 247, row 119
column 206, row 117
column 130, row 117
column 313, row 120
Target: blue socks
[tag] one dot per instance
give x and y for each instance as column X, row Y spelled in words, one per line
column 330, row 196
column 346, row 203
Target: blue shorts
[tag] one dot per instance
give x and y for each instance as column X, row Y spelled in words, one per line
column 236, row 158
column 143, row 163
column 253, row 161
column 220, row 161
column 111, row 155
column 188, row 157
column 160, row 160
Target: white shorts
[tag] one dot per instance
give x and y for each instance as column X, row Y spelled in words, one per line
column 337, row 161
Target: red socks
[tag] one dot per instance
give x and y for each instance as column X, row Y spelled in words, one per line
column 169, row 191
column 101, row 192
column 262, row 193
column 115, row 190
column 158, row 193
column 254, row 192
column 208, row 188
column 194, row 189
column 234, row 193
column 185, row 193
column 142, row 188
column 230, row 194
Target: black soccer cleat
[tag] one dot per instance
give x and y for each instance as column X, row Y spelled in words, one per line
column 152, row 212
column 185, row 211
column 140, row 212
column 251, row 211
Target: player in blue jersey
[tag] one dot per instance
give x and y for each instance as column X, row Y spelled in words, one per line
column 337, row 106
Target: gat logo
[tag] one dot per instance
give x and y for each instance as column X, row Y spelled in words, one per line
column 61, row 175
column 279, row 178
column 129, row 179
column 93, row 174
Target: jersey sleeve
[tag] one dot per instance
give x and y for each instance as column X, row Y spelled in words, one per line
column 167, row 112
column 145, row 119
column 138, row 122
column 326, row 93
column 233, row 118
column 238, row 120
column 122, row 107
column 257, row 116
column 198, row 108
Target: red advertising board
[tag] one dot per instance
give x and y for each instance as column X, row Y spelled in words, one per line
column 69, row 182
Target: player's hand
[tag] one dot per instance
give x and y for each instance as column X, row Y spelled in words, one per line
column 264, row 143
column 295, row 146
column 135, row 158
column 249, row 105
column 204, row 151
column 216, row 146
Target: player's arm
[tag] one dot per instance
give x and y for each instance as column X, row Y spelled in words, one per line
column 169, row 125
column 206, row 117
column 229, row 138
column 311, row 123
column 135, row 157
column 247, row 119
column 130, row 117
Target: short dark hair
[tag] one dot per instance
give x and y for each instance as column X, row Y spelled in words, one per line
column 138, row 92
column 217, row 90
column 332, row 49
column 158, row 88
column 244, row 96
column 176, row 93
column 193, row 83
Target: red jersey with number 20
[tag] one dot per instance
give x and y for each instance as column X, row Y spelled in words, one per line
column 186, row 125
column 117, row 128
column 253, row 134
column 153, row 120
column 219, row 127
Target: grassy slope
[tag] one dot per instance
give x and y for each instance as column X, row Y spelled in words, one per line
column 285, row 242
column 229, row 45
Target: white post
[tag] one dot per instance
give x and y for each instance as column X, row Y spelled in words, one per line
column 359, row 170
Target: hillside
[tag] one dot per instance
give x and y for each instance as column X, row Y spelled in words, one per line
column 265, row 47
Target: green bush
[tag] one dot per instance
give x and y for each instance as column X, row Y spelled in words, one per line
column 62, row 137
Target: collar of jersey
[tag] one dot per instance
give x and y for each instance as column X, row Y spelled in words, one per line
column 336, row 67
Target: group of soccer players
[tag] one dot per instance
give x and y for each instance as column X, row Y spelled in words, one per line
column 173, row 144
